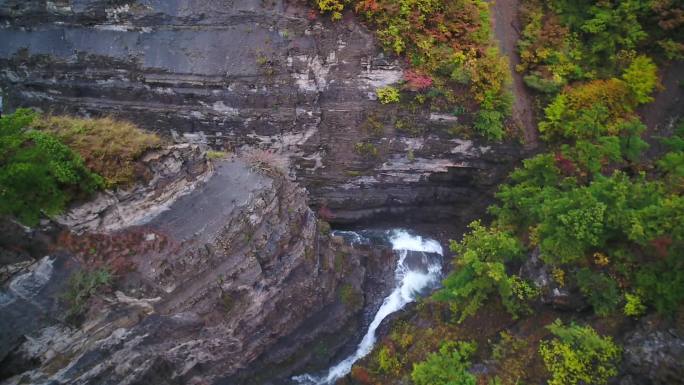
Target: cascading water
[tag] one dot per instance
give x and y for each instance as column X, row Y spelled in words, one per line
column 418, row 269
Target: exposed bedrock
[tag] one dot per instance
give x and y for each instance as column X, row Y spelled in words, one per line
column 652, row 354
column 230, row 268
column 253, row 73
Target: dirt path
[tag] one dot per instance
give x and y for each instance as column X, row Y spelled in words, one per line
column 507, row 31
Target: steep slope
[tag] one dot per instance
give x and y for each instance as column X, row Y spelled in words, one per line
column 223, row 275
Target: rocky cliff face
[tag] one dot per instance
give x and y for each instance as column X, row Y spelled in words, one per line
column 253, row 73
column 238, row 268
column 653, row 354
column 170, row 172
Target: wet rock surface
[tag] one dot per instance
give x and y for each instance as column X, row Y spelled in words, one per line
column 253, row 73
column 29, row 302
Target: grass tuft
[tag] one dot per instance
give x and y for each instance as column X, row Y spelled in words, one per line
column 109, row 147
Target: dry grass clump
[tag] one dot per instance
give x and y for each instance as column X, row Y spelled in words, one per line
column 266, row 162
column 109, row 147
column 217, row 155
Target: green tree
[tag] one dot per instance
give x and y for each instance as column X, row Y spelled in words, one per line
column 481, row 271
column 590, row 156
column 631, row 144
column 578, row 355
column 588, row 111
column 572, row 223
column 605, row 27
column 388, row 95
column 642, row 78
column 662, row 283
column 520, row 202
column 601, row 290
column 449, row 366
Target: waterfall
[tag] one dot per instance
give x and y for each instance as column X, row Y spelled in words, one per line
column 417, row 269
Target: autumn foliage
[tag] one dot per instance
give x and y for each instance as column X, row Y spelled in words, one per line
column 415, row 81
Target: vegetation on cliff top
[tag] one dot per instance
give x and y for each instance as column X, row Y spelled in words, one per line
column 38, row 173
column 48, row 162
column 109, row 147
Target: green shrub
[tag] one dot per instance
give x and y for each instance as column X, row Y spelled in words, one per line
column 602, row 291
column 481, row 271
column 38, row 173
column 512, row 356
column 642, row 78
column 324, row 228
column 82, row 286
column 489, row 123
column 578, row 355
column 449, row 366
column 373, row 125
column 388, row 362
column 388, row 95
column 541, row 84
column 402, row 335
column 216, row 154
column 494, row 107
column 634, row 306
column 350, row 296
column 673, row 50
column 662, row 283
column 335, row 7
column 366, row 149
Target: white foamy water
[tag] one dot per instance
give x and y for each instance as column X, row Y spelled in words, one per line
column 412, row 276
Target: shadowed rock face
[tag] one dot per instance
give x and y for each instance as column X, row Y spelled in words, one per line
column 233, row 273
column 171, row 173
column 252, row 73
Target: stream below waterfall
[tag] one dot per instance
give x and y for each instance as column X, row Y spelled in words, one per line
column 418, row 271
